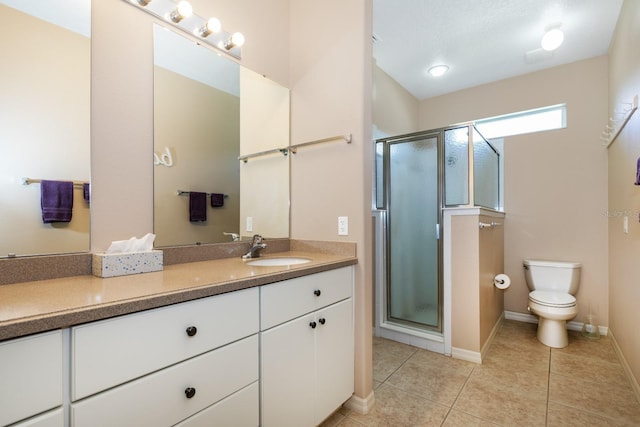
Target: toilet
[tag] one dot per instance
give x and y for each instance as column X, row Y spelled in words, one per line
column 553, row 285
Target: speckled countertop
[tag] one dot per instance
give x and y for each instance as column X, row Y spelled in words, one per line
column 38, row 306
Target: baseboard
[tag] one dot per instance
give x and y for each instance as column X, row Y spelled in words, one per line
column 468, row 355
column 530, row 318
column 627, row 369
column 492, row 336
column 360, row 405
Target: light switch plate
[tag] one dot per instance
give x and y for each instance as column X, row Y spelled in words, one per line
column 249, row 226
column 343, row 225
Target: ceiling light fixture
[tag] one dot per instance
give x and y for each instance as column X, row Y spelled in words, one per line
column 438, row 70
column 552, row 39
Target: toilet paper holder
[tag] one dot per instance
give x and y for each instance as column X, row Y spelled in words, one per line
column 502, row 281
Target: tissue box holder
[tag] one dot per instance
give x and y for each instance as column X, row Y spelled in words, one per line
column 111, row 265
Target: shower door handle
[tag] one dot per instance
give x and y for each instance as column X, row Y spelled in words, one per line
column 437, row 231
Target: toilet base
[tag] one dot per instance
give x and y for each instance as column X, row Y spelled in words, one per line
column 553, row 333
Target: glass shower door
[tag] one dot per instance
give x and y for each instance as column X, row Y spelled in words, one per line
column 413, row 206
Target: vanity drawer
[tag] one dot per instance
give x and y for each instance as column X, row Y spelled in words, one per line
column 30, row 376
column 160, row 399
column 241, row 409
column 113, row 351
column 289, row 299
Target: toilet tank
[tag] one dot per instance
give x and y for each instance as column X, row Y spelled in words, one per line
column 558, row 276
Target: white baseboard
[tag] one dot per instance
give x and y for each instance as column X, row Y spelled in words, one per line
column 627, row 369
column 468, row 355
column 360, row 405
column 492, row 336
column 530, row 318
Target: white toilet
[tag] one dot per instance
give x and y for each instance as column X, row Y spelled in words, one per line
column 553, row 285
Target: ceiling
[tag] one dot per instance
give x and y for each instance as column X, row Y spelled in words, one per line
column 483, row 40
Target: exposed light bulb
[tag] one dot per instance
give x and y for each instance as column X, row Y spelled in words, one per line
column 184, row 10
column 552, row 39
column 212, row 25
column 438, row 70
column 236, row 40
column 142, row 3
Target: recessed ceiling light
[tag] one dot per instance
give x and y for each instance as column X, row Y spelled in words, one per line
column 552, row 39
column 438, row 70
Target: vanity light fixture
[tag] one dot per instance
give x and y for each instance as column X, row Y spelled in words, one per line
column 236, row 40
column 438, row 70
column 552, row 38
column 212, row 25
column 183, row 10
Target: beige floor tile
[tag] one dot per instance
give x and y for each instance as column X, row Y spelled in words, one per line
column 348, row 422
column 498, row 401
column 512, row 356
column 531, row 384
column 397, row 408
column 601, row 349
column 432, row 376
column 333, row 421
column 460, row 419
column 564, row 416
column 588, row 368
column 613, row 401
column 388, row 356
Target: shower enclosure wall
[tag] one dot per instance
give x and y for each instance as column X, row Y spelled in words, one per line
column 417, row 176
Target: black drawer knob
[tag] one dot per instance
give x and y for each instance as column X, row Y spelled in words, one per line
column 317, row 292
column 192, row 330
column 190, row 392
column 313, row 325
column 322, row 320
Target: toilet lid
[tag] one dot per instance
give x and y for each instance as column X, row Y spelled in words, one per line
column 555, row 299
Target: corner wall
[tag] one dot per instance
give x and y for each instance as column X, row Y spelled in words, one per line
column 624, row 197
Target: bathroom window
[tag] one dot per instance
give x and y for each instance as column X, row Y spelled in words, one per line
column 540, row 119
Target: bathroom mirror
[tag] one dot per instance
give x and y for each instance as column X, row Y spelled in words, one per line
column 44, row 121
column 208, row 111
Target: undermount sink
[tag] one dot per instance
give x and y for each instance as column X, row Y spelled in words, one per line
column 277, row 261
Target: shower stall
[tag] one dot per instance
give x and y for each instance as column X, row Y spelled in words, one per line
column 419, row 175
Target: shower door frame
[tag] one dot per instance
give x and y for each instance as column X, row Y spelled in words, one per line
column 432, row 338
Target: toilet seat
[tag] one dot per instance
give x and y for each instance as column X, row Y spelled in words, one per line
column 552, row 299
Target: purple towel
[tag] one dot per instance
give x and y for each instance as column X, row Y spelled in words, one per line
column 86, row 192
column 56, row 199
column 217, row 200
column 637, row 172
column 197, row 206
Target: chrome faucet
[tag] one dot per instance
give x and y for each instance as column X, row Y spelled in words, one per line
column 256, row 245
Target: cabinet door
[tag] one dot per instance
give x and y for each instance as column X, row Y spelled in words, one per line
column 287, row 374
column 334, row 358
column 30, row 376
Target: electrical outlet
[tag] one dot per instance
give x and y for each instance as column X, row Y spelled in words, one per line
column 249, row 225
column 625, row 225
column 343, row 225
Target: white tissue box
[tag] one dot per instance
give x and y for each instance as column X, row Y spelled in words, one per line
column 110, row 265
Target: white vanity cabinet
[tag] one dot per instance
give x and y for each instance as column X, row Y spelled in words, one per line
column 307, row 348
column 160, row 367
column 31, row 380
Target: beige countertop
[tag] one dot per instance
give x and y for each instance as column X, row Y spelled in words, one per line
column 38, row 306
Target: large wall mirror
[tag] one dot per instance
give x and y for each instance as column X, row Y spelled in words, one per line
column 208, row 111
column 44, row 121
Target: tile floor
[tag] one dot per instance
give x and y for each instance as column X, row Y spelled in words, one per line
column 520, row 383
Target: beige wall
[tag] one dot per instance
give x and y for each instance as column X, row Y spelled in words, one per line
column 476, row 258
column 331, row 95
column 395, row 111
column 264, row 181
column 44, row 131
column 200, row 126
column 624, row 197
column 555, row 182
